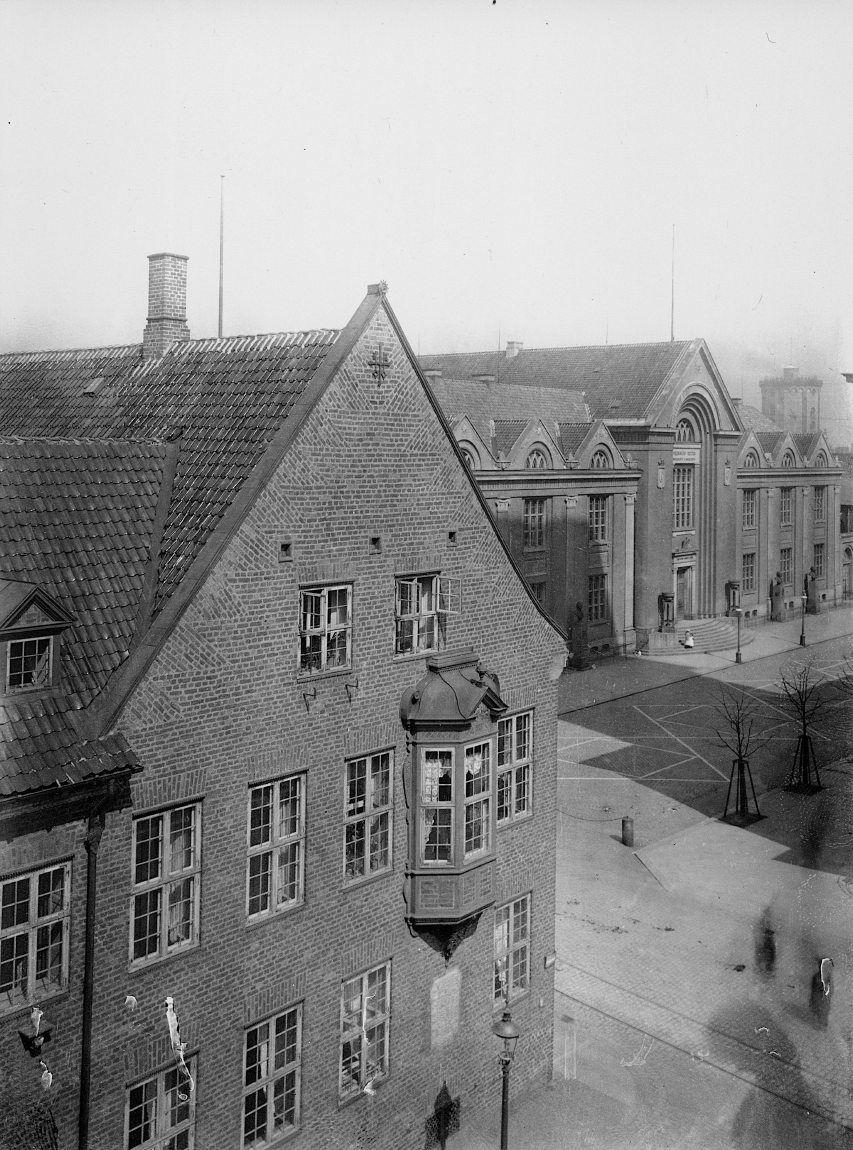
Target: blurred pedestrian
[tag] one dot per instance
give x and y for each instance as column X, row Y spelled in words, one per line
column 765, row 944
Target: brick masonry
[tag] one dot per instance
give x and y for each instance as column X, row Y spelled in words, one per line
column 222, row 707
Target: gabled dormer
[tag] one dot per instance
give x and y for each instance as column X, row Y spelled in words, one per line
column 536, row 449
column 597, row 450
column 31, row 626
column 751, row 453
column 474, row 448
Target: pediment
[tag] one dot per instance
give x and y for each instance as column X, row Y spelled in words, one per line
column 466, row 434
column 26, row 605
column 536, row 435
column 695, row 381
column 599, row 438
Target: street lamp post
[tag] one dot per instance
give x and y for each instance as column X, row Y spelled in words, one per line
column 803, row 625
column 738, row 613
column 506, row 1030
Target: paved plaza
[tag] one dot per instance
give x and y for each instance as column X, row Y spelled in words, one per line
column 672, row 1027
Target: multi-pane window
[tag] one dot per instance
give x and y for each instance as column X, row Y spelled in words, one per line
column 421, row 606
column 539, row 588
column 785, row 506
column 512, row 950
column 325, row 628
column 684, row 432
column 597, row 608
column 751, row 459
column 818, row 563
column 786, row 564
column 537, row 460
column 28, row 663
column 367, row 815
column 478, row 798
column 437, row 806
column 682, row 498
column 160, row 1112
column 601, row 460
column 748, row 509
column 365, row 1010
column 533, row 523
column 34, row 917
column 515, row 761
column 788, row 459
column 276, row 846
column 747, row 576
column 166, row 878
column 469, row 456
column 819, row 504
column 272, row 1071
column 598, row 518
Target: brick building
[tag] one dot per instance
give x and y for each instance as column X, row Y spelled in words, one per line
column 279, row 745
column 682, row 456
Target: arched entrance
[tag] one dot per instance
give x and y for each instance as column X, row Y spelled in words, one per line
column 847, row 573
column 694, row 491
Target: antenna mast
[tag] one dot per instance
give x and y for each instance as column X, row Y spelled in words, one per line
column 221, row 245
column 672, row 292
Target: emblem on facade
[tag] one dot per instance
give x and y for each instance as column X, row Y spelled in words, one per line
column 661, row 477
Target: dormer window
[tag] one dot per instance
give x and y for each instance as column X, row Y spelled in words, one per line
column 31, row 626
column 537, row 460
column 29, row 663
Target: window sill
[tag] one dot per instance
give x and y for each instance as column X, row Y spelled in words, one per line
column 499, row 1007
column 366, row 880
column 515, row 820
column 139, row 966
column 317, row 676
column 410, row 656
column 7, row 1014
column 273, row 916
column 378, row 1083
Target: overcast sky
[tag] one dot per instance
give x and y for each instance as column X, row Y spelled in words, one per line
column 512, row 167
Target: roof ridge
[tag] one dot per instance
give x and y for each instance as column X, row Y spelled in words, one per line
column 566, row 347
column 112, row 351
column 84, row 440
column 122, row 350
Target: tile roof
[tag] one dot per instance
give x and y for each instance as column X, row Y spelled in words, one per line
column 77, row 518
column 226, row 398
column 806, row 443
column 506, row 435
column 770, row 441
column 618, row 380
column 572, row 436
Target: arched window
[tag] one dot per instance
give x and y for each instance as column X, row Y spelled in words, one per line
column 469, row 455
column 601, row 460
column 684, row 432
column 820, row 460
column 751, row 459
column 812, row 419
column 537, row 459
column 788, row 459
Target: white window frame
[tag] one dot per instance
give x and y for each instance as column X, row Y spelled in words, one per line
column 515, row 768
column 436, row 754
column 478, row 800
column 164, row 881
column 820, row 504
column 512, row 950
column 786, row 569
column 270, row 1071
column 43, row 669
column 682, row 496
column 161, row 1138
column 598, row 518
column 534, row 524
column 747, row 572
column 316, row 624
column 819, row 550
column 281, row 842
column 431, row 598
column 29, row 929
column 364, row 1032
column 786, row 506
column 375, row 819
column 750, row 501
column 597, row 590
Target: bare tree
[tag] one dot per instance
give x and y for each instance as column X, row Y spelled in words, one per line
column 740, row 734
column 802, row 698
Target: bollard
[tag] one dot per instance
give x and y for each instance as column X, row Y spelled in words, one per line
column 627, row 832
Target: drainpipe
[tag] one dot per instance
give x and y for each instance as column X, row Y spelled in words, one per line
column 92, row 841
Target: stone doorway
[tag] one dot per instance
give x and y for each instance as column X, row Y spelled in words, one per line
column 684, row 592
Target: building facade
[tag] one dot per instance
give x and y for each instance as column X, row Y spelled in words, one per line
column 330, row 699
column 681, row 445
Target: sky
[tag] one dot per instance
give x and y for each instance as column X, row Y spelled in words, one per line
column 513, row 170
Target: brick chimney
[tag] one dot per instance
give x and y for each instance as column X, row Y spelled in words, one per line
column 513, row 347
column 167, row 304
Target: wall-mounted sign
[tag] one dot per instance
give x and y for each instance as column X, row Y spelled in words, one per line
column 685, row 454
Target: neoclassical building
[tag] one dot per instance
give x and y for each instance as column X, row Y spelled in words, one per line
column 679, row 451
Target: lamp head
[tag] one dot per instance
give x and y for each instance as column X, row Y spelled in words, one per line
column 506, row 1030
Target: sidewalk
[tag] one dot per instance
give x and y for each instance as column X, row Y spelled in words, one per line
column 619, row 677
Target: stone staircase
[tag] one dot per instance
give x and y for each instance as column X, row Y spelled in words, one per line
column 712, row 635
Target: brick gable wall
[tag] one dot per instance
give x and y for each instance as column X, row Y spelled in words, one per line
column 221, row 707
